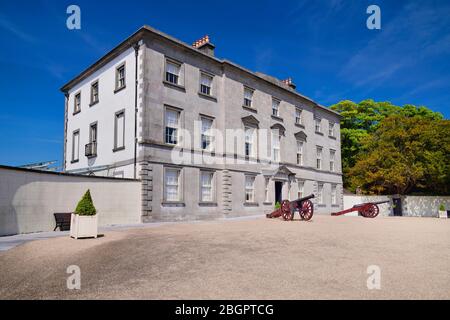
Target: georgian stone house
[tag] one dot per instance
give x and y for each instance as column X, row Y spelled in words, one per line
column 247, row 140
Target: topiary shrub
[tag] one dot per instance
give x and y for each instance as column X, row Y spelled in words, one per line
column 277, row 206
column 86, row 207
column 442, row 207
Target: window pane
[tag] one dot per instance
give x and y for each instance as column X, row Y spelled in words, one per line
column 120, row 130
column 206, row 80
column 75, row 146
column 206, row 186
column 171, row 181
column 173, row 68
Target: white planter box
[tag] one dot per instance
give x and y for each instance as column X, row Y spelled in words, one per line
column 83, row 226
column 443, row 214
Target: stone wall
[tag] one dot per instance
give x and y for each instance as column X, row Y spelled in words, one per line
column 412, row 206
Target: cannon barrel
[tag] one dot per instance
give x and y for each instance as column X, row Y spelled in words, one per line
column 381, row 202
column 304, row 198
column 375, row 203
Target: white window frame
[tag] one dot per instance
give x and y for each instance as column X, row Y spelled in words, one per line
column 298, row 116
column 276, row 146
column 77, row 102
column 176, row 76
column 119, row 142
column 320, row 199
column 318, row 125
column 266, row 190
column 206, row 135
column 211, row 187
column 331, row 129
column 249, row 189
column 119, row 78
column 276, row 107
column 177, row 184
column 301, row 188
column 332, row 160
column 206, row 88
column 176, row 128
column 250, row 139
column 300, row 147
column 319, row 156
column 76, row 149
column 248, row 97
column 95, row 95
column 334, row 194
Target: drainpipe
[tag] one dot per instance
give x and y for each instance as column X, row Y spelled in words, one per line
column 66, row 110
column 136, row 54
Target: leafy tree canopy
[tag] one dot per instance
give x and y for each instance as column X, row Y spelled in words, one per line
column 400, row 147
column 405, row 154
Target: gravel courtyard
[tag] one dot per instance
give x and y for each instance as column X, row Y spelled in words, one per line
column 326, row 258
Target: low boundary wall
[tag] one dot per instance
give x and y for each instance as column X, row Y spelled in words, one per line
column 28, row 199
column 412, row 206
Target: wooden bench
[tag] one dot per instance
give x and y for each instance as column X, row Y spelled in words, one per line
column 62, row 221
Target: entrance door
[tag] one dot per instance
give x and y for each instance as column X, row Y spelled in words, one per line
column 278, row 190
column 398, row 212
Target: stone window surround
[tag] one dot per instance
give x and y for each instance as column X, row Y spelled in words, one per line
column 213, row 126
column 117, row 88
column 180, row 200
column 97, row 81
column 212, row 88
column 318, row 119
column 213, row 201
column 251, row 107
column 115, row 149
column 180, row 123
column 75, row 132
column 76, row 94
column 181, row 80
column 254, row 202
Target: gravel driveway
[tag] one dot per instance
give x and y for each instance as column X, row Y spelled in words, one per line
column 326, row 258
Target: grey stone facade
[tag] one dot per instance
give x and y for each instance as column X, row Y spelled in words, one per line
column 225, row 106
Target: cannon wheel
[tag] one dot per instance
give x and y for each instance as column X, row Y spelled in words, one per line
column 307, row 210
column 371, row 211
column 286, row 209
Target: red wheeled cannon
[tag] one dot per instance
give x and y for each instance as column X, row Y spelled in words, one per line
column 304, row 206
column 367, row 210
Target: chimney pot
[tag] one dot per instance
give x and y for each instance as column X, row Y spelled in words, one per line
column 204, row 45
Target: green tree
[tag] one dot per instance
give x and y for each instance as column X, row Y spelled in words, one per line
column 406, row 153
column 361, row 120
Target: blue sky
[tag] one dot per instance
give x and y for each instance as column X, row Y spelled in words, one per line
column 323, row 45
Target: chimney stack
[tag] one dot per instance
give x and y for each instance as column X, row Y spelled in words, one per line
column 204, row 45
column 289, row 83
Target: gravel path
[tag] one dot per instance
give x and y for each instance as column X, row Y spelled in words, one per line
column 326, row 258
